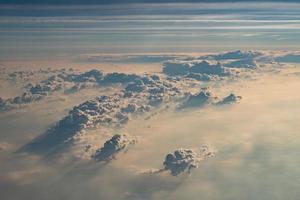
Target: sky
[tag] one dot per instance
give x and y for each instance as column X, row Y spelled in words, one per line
column 55, row 31
column 123, row 1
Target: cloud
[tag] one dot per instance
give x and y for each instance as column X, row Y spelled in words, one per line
column 113, row 146
column 16, row 102
column 124, row 58
column 204, row 98
column 205, row 67
column 183, row 160
column 242, row 63
column 197, row 100
column 176, row 68
column 118, row 78
column 216, row 66
column 233, row 136
column 4, row 146
column 136, row 86
column 235, row 55
column 202, row 77
column 230, row 99
column 288, row 58
column 182, row 68
column 141, row 95
column 66, row 82
column 70, row 82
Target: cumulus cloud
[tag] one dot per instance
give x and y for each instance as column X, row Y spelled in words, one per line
column 57, row 82
column 140, row 96
column 184, row 160
column 181, row 160
column 211, row 67
column 118, row 78
column 235, row 55
column 230, row 99
column 205, row 67
column 202, row 77
column 15, row 102
column 65, row 81
column 33, row 92
column 197, row 100
column 176, row 68
column 288, row 58
column 205, row 97
column 113, row 146
column 136, row 86
column 181, row 68
column 242, row 63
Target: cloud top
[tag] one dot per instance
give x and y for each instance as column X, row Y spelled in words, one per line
column 111, row 147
